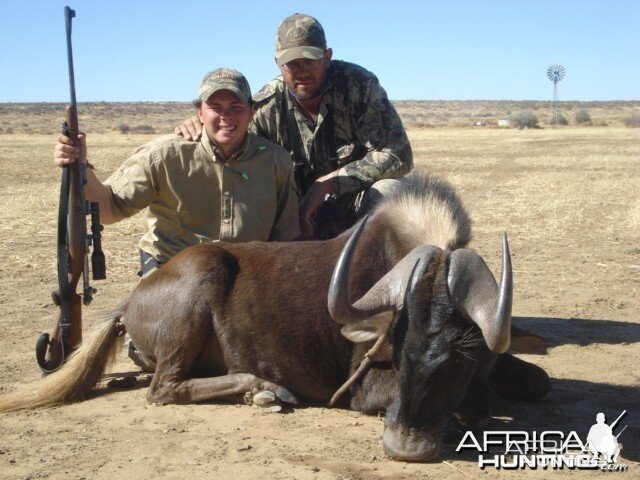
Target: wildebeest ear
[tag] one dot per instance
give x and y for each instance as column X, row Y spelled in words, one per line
column 526, row 342
column 368, row 329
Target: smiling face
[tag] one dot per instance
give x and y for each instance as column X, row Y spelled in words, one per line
column 225, row 118
column 306, row 78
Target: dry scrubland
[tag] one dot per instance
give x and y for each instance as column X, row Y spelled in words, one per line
column 421, row 114
column 149, row 118
column 569, row 198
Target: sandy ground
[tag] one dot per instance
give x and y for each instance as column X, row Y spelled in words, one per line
column 570, row 200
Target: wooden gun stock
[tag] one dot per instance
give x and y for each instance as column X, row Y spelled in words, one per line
column 71, row 252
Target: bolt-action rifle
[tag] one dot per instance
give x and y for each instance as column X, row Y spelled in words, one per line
column 73, row 244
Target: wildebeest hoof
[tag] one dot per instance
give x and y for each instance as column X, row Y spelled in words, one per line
column 258, row 398
column 272, row 406
column 265, row 399
column 286, row 396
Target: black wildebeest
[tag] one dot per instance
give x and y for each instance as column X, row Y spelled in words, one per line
column 220, row 320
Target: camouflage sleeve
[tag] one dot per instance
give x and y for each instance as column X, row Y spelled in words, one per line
column 380, row 130
column 256, row 128
column 265, row 122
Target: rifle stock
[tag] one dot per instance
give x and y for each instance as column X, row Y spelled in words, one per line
column 72, row 245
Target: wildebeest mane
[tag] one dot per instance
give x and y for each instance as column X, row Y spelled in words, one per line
column 427, row 210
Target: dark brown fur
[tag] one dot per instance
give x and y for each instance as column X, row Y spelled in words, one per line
column 225, row 310
column 223, row 319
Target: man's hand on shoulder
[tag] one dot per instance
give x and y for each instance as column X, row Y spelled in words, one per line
column 191, row 129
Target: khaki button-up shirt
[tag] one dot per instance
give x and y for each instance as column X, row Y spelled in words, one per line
column 194, row 196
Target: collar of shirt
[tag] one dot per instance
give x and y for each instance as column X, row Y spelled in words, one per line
column 216, row 154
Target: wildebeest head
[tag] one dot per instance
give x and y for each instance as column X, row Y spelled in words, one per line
column 440, row 300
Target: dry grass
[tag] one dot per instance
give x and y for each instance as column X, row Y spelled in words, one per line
column 107, row 117
column 569, row 198
column 572, row 190
column 96, row 117
column 434, row 113
column 633, row 219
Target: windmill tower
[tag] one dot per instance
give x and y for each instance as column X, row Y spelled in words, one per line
column 555, row 73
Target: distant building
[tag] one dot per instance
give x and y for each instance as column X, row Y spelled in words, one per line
column 504, row 122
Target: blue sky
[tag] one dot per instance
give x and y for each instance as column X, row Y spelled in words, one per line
column 423, row 50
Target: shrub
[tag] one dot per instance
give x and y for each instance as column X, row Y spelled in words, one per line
column 558, row 120
column 143, row 129
column 524, row 119
column 123, row 128
column 632, row 121
column 422, row 125
column 582, row 116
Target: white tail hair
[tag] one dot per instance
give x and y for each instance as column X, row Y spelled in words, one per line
column 78, row 376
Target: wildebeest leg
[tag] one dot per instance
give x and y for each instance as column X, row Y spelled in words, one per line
column 514, row 378
column 172, row 389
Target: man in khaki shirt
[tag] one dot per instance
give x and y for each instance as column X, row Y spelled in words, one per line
column 231, row 186
column 337, row 123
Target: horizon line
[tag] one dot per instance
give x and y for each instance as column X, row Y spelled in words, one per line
column 392, row 100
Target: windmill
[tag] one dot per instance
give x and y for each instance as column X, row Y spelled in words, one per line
column 555, row 73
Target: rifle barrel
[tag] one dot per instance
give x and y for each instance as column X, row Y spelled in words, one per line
column 68, row 15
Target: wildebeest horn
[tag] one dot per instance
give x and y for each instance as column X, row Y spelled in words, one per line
column 387, row 294
column 474, row 292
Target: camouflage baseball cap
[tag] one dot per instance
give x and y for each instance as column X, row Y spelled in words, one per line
column 299, row 36
column 225, row 79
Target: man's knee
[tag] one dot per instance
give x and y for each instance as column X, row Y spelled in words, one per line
column 376, row 194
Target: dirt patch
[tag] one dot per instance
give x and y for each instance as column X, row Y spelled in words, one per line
column 569, row 199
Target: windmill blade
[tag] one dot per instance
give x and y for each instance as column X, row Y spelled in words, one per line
column 555, row 73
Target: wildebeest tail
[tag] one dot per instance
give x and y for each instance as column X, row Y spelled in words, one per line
column 78, row 376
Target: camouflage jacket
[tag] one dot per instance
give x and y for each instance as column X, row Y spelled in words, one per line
column 358, row 133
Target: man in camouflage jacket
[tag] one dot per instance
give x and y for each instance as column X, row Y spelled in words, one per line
column 335, row 120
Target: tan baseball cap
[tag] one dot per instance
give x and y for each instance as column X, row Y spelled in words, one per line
column 225, row 79
column 299, row 36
